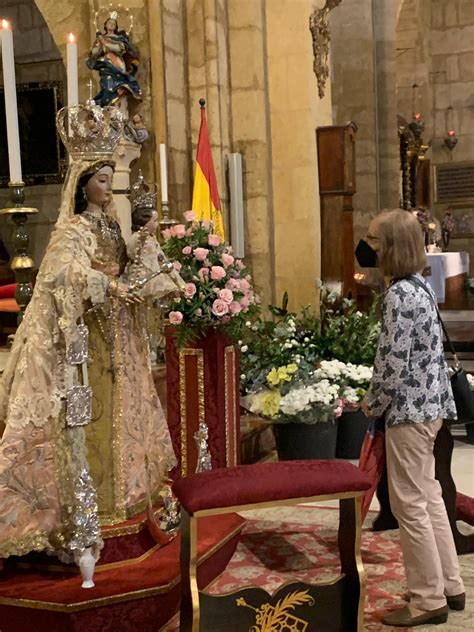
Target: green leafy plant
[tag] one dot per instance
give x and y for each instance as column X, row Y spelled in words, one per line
column 308, row 365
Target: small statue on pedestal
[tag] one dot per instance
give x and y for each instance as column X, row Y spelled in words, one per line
column 447, row 226
column 116, row 60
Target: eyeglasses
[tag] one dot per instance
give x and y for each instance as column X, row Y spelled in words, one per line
column 372, row 237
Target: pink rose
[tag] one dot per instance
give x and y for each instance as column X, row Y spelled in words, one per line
column 233, row 284
column 178, row 231
column 227, row 260
column 213, row 240
column 175, row 318
column 244, row 302
column 189, row 216
column 200, row 254
column 217, row 273
column 207, row 225
column 203, row 273
column 220, row 307
column 244, row 284
column 226, row 296
column 189, row 290
column 177, row 266
column 166, row 233
column 235, row 308
column 187, row 250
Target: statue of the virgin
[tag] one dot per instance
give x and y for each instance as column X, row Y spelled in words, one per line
column 85, row 442
column 116, row 59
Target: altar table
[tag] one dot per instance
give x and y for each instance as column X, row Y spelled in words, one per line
column 444, row 266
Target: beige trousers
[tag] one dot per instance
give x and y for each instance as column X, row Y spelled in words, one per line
column 429, row 553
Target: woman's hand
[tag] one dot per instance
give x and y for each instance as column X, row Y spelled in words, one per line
column 365, row 408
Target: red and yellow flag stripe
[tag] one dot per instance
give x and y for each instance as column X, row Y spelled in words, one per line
column 206, row 202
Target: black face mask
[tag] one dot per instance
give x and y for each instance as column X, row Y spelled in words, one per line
column 366, row 256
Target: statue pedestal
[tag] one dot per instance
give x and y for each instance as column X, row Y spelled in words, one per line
column 125, row 155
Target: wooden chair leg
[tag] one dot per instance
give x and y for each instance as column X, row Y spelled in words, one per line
column 349, row 542
column 443, row 451
column 189, row 613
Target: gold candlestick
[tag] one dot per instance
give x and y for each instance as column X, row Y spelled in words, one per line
column 22, row 263
column 166, row 221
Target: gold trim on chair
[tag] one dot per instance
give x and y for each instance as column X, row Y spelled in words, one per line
column 230, row 404
column 183, row 355
column 351, row 561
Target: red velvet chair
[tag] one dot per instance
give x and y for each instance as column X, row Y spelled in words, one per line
column 337, row 606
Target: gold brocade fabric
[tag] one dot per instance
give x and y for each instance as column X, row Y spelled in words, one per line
column 58, row 483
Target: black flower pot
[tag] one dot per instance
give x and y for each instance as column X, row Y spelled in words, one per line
column 351, row 430
column 296, row 441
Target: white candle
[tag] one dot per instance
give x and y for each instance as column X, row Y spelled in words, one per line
column 11, row 111
column 72, row 76
column 163, row 173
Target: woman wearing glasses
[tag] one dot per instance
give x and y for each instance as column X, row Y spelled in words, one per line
column 411, row 386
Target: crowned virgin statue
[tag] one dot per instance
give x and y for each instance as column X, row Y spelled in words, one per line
column 116, row 59
column 85, row 442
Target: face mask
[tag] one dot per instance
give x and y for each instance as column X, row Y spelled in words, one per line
column 366, row 256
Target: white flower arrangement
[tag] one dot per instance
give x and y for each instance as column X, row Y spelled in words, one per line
column 470, row 379
column 331, row 388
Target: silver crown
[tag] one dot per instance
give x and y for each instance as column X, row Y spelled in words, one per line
column 90, row 131
column 141, row 194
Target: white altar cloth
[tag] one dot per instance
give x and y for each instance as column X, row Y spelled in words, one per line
column 444, row 265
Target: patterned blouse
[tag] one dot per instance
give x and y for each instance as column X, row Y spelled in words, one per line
column 410, row 382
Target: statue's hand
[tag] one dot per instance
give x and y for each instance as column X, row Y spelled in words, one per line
column 128, row 294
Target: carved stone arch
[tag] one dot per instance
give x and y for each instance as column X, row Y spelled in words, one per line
column 66, row 16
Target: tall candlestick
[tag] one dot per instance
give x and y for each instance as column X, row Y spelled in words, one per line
column 72, row 76
column 163, row 173
column 11, row 110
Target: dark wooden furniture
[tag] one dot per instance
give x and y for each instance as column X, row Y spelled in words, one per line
column 336, row 167
column 336, row 606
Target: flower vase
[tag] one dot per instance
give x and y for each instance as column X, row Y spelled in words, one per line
column 351, row 431
column 203, row 390
column 87, row 567
column 297, row 441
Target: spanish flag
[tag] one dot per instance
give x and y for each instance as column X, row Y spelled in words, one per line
column 206, row 202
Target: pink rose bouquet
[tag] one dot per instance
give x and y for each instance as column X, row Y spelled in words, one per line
column 218, row 291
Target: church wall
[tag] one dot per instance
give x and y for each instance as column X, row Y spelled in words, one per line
column 176, row 103
column 251, row 135
column 295, row 112
column 352, row 79
column 452, row 51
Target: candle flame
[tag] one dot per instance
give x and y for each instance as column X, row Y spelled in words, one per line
column 71, row 38
column 451, row 132
column 418, row 116
column 5, row 24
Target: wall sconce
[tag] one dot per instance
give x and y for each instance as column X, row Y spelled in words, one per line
column 450, row 140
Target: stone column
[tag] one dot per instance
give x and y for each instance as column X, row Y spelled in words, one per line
column 251, row 136
column 125, row 155
column 384, row 21
column 208, row 57
column 295, row 112
column 176, row 110
column 359, row 39
column 352, row 82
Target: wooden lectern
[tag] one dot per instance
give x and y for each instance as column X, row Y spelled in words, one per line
column 336, row 167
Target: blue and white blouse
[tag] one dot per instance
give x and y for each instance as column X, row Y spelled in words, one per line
column 410, row 382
